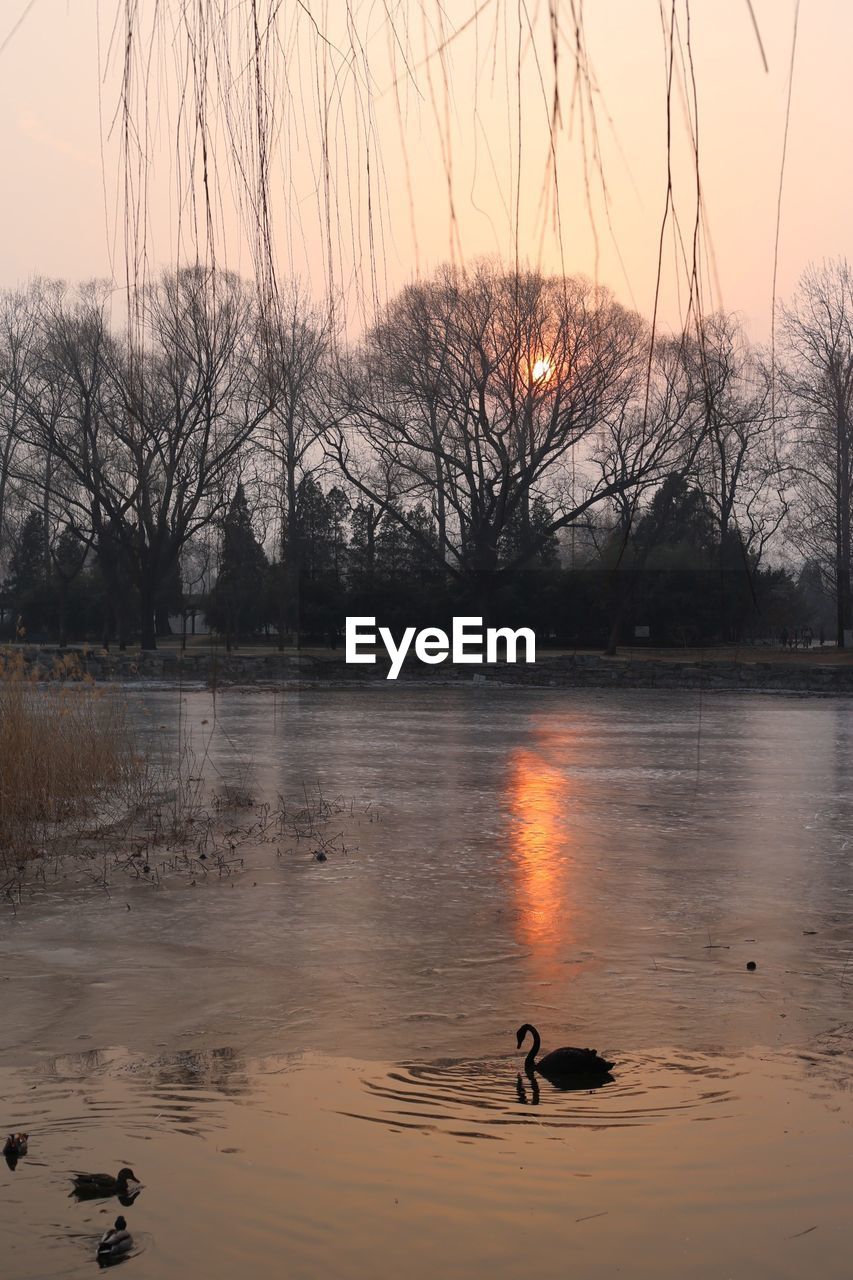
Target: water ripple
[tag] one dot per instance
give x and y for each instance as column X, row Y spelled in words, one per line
column 476, row 1098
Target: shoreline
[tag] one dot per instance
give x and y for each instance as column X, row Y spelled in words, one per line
column 315, row 669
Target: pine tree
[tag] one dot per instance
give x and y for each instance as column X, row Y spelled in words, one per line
column 30, row 577
column 236, row 605
column 68, row 559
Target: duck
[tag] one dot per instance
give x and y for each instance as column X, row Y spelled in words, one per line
column 16, row 1145
column 115, row 1243
column 93, row 1186
column 567, row 1067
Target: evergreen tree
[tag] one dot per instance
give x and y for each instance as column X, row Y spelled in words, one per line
column 520, row 534
column 365, row 523
column 236, row 605
column 68, row 558
column 321, row 529
column 407, row 553
column 321, row 554
column 677, row 526
column 30, row 578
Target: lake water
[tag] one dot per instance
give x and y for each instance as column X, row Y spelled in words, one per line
column 312, row 1068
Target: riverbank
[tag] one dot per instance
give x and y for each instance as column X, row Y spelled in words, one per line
column 815, row 672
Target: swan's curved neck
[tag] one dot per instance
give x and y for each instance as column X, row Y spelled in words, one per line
column 530, row 1060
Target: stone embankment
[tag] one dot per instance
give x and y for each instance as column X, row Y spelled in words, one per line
column 807, row 674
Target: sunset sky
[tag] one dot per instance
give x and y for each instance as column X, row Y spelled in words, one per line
column 455, row 125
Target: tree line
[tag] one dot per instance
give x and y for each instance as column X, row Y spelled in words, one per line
column 499, row 442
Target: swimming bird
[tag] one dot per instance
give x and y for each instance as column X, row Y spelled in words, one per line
column 14, row 1147
column 94, row 1186
column 115, row 1243
column 16, row 1144
column 564, row 1067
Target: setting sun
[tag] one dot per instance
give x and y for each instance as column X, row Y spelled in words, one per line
column 542, row 369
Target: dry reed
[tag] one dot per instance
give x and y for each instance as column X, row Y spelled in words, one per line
column 81, row 793
column 67, row 755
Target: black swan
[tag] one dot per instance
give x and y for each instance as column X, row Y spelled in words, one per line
column 115, row 1243
column 564, row 1067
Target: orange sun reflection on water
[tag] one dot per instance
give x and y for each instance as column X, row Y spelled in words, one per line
column 538, row 796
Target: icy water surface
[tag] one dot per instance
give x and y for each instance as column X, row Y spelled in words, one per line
column 312, row 1068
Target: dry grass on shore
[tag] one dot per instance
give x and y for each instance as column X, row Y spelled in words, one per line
column 67, row 755
column 88, row 795
column 87, row 792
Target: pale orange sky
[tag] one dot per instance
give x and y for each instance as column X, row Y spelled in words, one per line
column 61, row 197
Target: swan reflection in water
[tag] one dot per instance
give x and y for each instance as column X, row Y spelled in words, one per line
column 564, row 1086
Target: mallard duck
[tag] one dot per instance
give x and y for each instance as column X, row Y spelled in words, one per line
column 564, row 1067
column 16, row 1145
column 115, row 1243
column 92, row 1186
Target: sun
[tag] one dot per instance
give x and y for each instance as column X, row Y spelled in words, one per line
column 542, row 369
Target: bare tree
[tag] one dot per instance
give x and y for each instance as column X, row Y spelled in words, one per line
column 292, row 355
column 20, row 315
column 738, row 466
column 818, row 328
column 655, row 437
column 151, row 441
column 655, row 431
column 479, row 394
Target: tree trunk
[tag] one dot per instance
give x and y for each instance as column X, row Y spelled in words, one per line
column 107, row 626
column 842, row 531
column 121, row 624
column 62, row 610
column 292, row 577
column 613, row 638
column 147, row 621
column 485, row 566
